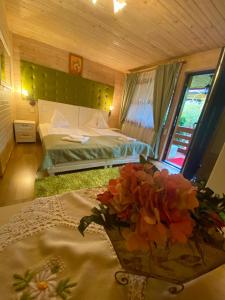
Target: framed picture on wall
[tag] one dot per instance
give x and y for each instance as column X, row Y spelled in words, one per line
column 75, row 64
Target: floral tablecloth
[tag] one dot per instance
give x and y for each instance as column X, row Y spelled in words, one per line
column 43, row 256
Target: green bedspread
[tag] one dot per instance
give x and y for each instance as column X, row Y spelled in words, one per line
column 57, row 151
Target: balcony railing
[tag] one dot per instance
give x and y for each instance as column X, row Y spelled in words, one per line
column 182, row 138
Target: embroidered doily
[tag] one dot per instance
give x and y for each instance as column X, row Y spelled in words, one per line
column 44, row 213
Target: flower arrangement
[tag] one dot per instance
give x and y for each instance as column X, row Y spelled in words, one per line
column 154, row 207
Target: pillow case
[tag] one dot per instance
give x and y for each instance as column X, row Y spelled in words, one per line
column 59, row 121
column 102, row 124
column 97, row 121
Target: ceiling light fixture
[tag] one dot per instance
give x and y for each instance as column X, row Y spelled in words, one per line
column 117, row 5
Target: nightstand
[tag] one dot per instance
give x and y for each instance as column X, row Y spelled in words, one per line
column 25, row 131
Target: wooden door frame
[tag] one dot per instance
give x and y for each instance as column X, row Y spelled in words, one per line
column 178, row 109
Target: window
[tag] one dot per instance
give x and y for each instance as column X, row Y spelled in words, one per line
column 141, row 108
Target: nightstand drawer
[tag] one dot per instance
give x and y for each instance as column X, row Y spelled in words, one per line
column 24, row 127
column 25, row 137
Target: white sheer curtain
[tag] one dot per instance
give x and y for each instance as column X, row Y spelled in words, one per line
column 139, row 122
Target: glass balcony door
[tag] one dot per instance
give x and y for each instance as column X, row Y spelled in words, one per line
column 188, row 113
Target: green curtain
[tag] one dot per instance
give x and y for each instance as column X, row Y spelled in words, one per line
column 165, row 83
column 129, row 88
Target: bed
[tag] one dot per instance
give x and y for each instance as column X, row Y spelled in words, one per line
column 75, row 138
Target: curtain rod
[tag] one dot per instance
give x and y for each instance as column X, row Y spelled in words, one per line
column 153, row 67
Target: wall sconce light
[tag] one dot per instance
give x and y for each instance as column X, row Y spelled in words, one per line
column 25, row 95
column 110, row 110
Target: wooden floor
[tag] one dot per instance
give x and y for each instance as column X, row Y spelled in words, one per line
column 17, row 184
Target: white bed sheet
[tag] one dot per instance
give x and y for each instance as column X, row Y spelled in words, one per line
column 46, row 129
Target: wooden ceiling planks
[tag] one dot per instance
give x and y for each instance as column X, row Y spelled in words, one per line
column 145, row 32
column 84, row 30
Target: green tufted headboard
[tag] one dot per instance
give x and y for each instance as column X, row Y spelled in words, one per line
column 53, row 85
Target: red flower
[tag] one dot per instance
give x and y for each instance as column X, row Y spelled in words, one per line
column 105, row 197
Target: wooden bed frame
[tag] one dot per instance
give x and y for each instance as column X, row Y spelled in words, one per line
column 84, row 164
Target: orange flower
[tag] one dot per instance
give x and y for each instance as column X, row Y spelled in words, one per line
column 157, row 206
column 181, row 231
column 134, row 241
column 153, row 230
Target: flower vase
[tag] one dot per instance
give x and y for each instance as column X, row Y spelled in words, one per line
column 177, row 263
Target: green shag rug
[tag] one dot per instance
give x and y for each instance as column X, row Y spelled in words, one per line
column 53, row 185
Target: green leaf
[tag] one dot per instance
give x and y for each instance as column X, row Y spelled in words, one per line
column 19, row 287
column 222, row 216
column 26, row 296
column 17, row 276
column 63, row 288
column 21, row 282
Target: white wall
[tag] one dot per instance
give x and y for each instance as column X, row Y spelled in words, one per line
column 217, row 178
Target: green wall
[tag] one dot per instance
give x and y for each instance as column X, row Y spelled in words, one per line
column 53, row 85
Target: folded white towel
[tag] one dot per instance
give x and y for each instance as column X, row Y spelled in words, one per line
column 76, row 138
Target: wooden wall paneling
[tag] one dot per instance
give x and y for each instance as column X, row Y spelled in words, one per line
column 214, row 17
column 194, row 18
column 22, row 110
column 4, row 30
column 43, row 54
column 118, row 92
column 53, row 57
column 144, row 32
column 6, row 128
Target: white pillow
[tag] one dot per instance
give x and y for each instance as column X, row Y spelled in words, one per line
column 59, row 121
column 97, row 121
column 102, row 124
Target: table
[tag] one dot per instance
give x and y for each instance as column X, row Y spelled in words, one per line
column 42, row 237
